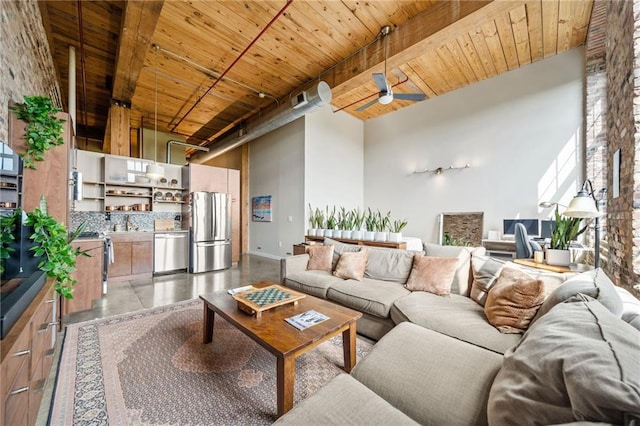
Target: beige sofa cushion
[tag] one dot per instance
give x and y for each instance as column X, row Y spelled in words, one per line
column 514, row 300
column 577, row 362
column 456, row 316
column 344, row 401
column 370, row 296
column 315, row 283
column 432, row 274
column 432, row 378
column 461, row 282
column 389, row 264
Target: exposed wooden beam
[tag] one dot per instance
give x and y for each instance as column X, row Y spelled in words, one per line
column 139, row 21
column 429, row 29
column 44, row 13
column 138, row 24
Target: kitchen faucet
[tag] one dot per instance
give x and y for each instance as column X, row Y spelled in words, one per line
column 128, row 223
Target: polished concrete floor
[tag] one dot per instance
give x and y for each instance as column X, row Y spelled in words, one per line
column 130, row 296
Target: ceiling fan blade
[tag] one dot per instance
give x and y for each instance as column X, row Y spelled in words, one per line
column 381, row 81
column 410, row 96
column 367, row 105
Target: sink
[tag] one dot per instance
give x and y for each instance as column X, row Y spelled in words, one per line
column 15, row 296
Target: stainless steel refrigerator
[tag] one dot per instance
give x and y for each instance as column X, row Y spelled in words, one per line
column 210, row 232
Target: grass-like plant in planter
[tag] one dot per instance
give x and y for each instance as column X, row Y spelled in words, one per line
column 7, row 228
column 43, row 130
column 567, row 229
column 53, row 244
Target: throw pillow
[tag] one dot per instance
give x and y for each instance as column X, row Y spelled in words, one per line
column 388, row 264
column 462, row 278
column 595, row 284
column 339, row 248
column 352, row 265
column 320, row 257
column 579, row 362
column 485, row 273
column 630, row 308
column 514, row 300
column 432, row 274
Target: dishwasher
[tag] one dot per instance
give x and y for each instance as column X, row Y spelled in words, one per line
column 170, row 251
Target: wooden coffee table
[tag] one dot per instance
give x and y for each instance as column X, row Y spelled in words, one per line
column 280, row 338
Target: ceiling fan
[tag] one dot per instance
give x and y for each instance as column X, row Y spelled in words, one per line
column 386, row 95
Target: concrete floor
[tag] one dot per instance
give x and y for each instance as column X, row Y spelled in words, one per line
column 130, row 296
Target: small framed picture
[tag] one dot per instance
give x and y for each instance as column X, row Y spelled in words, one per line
column 615, row 185
column 261, row 208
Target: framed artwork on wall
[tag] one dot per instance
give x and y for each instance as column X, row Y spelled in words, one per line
column 615, row 185
column 261, row 208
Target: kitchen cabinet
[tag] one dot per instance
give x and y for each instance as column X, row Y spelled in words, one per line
column 88, row 274
column 133, row 255
column 217, row 179
column 26, row 357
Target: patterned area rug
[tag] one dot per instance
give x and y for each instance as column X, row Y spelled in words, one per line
column 151, row 367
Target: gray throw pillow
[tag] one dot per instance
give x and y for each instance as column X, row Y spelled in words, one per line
column 595, row 284
column 578, row 362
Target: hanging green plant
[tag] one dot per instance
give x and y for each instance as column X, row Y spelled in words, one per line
column 7, row 228
column 58, row 256
column 43, row 130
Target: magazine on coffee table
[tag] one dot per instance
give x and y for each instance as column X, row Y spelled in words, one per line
column 306, row 319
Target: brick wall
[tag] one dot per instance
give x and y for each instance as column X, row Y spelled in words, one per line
column 611, row 123
column 26, row 65
column 463, row 227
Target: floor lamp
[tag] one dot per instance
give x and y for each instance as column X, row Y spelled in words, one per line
column 587, row 205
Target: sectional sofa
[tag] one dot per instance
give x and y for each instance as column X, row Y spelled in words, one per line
column 439, row 361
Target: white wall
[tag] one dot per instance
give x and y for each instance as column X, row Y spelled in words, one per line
column 520, row 132
column 276, row 168
column 334, row 160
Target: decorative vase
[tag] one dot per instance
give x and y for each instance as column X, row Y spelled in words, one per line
column 381, row 236
column 328, row 233
column 369, row 235
column 558, row 257
column 357, row 235
column 395, row 237
column 312, row 232
column 346, row 234
column 337, row 233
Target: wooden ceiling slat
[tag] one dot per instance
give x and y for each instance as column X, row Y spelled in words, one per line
column 534, row 19
column 457, row 76
column 484, row 55
column 550, row 27
column 455, row 52
column 505, row 32
column 434, row 73
column 581, row 16
column 375, row 17
column 417, row 80
column 471, row 54
column 495, row 46
column 518, row 18
column 564, row 26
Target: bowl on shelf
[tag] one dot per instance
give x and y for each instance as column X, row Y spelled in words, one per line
column 157, row 195
column 177, row 196
column 174, row 182
column 168, row 196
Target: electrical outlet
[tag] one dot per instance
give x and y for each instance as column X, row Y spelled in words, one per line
column 107, row 216
column 259, row 248
column 177, row 217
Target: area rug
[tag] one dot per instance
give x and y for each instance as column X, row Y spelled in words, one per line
column 151, row 367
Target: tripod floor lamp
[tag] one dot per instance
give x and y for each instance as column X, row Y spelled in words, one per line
column 586, row 204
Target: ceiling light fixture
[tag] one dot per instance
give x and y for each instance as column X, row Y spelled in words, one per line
column 440, row 170
column 155, row 171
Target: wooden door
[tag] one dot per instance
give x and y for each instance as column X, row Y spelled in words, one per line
column 88, row 273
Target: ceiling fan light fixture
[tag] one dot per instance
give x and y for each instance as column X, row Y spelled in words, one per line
column 385, row 97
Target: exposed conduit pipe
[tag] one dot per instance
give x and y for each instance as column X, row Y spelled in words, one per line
column 71, row 92
column 215, row 83
column 303, row 102
column 84, row 75
column 172, row 142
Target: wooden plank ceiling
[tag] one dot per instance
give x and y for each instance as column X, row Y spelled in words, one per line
column 434, row 47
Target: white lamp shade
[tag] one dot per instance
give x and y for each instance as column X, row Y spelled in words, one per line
column 155, row 171
column 582, row 206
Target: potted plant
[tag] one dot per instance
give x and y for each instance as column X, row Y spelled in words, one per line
column 382, row 224
column 344, row 224
column 331, row 222
column 53, row 246
column 370, row 225
column 313, row 222
column 395, row 230
column 357, row 221
column 43, row 130
column 567, row 229
column 7, row 228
